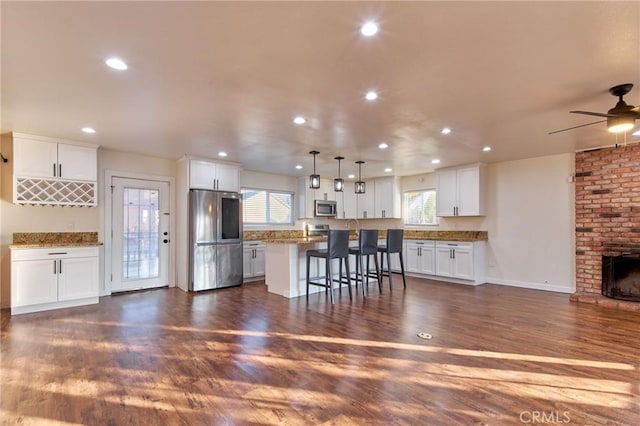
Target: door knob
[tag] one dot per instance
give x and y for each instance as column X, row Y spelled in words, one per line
column 165, row 233
column 165, row 241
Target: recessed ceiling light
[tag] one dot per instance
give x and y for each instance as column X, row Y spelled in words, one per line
column 116, row 64
column 445, row 131
column 369, row 28
column 636, row 133
column 298, row 166
column 383, row 145
column 351, row 176
column 371, row 96
column 486, row 149
column 388, row 169
column 88, row 130
column 222, row 154
column 435, row 161
column 299, row 120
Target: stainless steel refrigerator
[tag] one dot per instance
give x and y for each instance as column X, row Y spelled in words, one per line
column 215, row 240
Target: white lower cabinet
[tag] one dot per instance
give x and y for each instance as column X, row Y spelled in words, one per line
column 455, row 261
column 253, row 260
column 51, row 278
column 420, row 257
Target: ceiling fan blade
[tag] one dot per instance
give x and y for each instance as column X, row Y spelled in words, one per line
column 597, row 114
column 576, row 127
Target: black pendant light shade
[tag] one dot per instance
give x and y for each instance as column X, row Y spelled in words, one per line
column 314, row 179
column 361, row 187
column 338, row 183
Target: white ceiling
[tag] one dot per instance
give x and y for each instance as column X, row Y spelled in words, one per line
column 211, row 76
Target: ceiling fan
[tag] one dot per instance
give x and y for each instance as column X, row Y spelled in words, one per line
column 620, row 118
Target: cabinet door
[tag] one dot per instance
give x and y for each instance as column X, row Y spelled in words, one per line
column 387, row 198
column 350, row 203
column 78, row 278
column 35, row 158
column 228, row 178
column 34, row 282
column 259, row 261
column 428, row 259
column 444, row 265
column 463, row 263
column 447, row 189
column 326, row 192
column 468, row 191
column 247, row 258
column 306, row 197
column 77, row 162
column 201, row 175
column 412, row 258
column 366, row 201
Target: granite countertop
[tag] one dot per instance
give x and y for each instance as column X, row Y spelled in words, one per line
column 298, row 237
column 30, row 240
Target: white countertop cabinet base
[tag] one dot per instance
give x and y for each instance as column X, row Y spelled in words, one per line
column 51, row 278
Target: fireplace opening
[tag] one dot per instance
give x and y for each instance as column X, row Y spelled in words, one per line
column 621, row 277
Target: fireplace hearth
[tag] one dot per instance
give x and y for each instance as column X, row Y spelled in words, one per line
column 621, row 277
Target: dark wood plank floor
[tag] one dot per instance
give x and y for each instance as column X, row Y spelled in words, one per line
column 498, row 356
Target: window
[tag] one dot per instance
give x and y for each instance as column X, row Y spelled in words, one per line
column 263, row 207
column 420, row 207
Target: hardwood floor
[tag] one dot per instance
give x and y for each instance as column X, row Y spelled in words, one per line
column 498, row 356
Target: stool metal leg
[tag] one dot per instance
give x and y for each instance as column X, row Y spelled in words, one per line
column 346, row 267
column 389, row 270
column 378, row 273
column 308, row 267
column 404, row 280
column 330, row 280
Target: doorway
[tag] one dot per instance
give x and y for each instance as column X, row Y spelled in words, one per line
column 139, row 248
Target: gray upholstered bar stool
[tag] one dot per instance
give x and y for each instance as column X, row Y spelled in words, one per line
column 337, row 248
column 394, row 245
column 367, row 246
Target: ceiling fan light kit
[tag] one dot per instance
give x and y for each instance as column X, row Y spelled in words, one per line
column 620, row 124
column 621, row 118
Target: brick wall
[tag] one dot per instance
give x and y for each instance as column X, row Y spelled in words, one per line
column 607, row 210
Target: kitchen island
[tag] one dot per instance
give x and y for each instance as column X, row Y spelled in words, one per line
column 285, row 258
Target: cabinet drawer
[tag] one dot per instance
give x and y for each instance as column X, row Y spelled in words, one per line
column 53, row 252
column 454, row 244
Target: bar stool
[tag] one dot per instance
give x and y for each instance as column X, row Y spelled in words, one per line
column 337, row 248
column 394, row 245
column 367, row 246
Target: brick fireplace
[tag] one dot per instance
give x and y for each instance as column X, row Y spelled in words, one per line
column 607, row 188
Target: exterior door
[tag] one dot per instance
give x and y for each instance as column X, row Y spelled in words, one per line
column 140, row 234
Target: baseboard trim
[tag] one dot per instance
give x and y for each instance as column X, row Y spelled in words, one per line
column 532, row 285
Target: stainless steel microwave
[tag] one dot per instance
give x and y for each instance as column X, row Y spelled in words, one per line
column 325, row 208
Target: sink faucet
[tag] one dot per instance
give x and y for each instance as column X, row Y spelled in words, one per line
column 357, row 226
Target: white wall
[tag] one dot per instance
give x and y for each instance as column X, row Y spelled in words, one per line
column 531, row 223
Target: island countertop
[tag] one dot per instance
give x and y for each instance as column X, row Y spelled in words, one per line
column 298, row 237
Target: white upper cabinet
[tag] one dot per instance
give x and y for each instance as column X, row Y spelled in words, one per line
column 366, row 201
column 44, row 158
column 387, row 198
column 214, row 176
column 346, row 202
column 461, row 191
column 50, row 172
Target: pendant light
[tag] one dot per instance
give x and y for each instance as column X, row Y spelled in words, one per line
column 338, row 183
column 361, row 187
column 314, row 179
